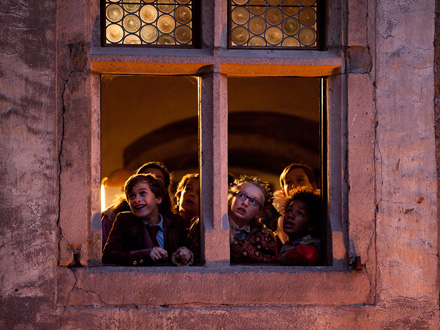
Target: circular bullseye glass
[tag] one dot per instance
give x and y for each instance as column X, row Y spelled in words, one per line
column 182, row 1
column 114, row 33
column 290, row 7
column 183, row 14
column 148, row 1
column 240, row 2
column 132, row 23
column 274, row 16
column 257, row 42
column 132, row 39
column 240, row 35
column 257, row 7
column 183, row 34
column 307, row 16
column 166, row 8
column 290, row 26
column 114, row 13
column 166, row 23
column 131, row 5
column 257, row 25
column 308, row 2
column 274, row 35
column 149, row 33
column 290, row 42
column 148, row 14
column 307, row 36
column 166, row 40
column 240, row 15
column 273, row 2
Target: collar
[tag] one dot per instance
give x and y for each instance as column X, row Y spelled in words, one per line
column 160, row 224
column 234, row 226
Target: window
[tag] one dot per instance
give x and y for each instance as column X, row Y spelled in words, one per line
column 213, row 64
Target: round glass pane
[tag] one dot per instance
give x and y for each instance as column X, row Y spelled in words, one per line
column 183, row 14
column 257, row 7
column 166, row 40
column 114, row 33
column 308, row 2
column 240, row 35
column 114, row 13
column 290, row 26
column 149, row 33
column 274, row 16
column 307, row 36
column 307, row 16
column 132, row 39
column 131, row 23
column 183, row 34
column 182, row 1
column 290, row 7
column 257, row 25
column 273, row 2
column 290, row 42
column 240, row 15
column 148, row 14
column 274, row 35
column 166, row 8
column 257, row 42
column 166, row 23
column 240, row 2
column 131, row 5
column 148, row 1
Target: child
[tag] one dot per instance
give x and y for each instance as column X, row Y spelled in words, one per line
column 301, row 216
column 120, row 205
column 292, row 177
column 250, row 240
column 144, row 236
column 188, row 199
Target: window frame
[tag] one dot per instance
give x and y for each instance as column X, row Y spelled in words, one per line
column 213, row 63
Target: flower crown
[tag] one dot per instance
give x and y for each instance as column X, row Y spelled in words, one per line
column 268, row 195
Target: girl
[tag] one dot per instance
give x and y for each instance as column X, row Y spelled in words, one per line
column 188, row 199
column 250, row 240
column 300, row 220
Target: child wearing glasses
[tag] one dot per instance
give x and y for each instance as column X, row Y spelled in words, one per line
column 300, row 219
column 250, row 240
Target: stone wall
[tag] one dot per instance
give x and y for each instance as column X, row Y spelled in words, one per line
column 388, row 114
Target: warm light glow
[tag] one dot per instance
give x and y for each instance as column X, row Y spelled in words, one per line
column 103, row 206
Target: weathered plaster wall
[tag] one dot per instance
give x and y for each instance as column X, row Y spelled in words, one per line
column 46, row 87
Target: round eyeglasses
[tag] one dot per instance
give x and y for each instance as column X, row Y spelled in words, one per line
column 252, row 201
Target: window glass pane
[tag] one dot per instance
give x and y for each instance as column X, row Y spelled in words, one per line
column 273, row 24
column 148, row 22
column 274, row 122
column 144, row 119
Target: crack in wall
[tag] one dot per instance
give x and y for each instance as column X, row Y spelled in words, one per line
column 76, row 64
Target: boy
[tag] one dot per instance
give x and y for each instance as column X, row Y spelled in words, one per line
column 144, row 236
column 301, row 216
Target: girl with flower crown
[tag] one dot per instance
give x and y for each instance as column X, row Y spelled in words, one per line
column 250, row 240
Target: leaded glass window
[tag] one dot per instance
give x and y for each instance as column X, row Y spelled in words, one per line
column 274, row 24
column 149, row 22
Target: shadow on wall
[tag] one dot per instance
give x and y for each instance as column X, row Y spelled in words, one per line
column 257, row 144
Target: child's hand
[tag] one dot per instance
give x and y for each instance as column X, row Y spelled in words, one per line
column 182, row 256
column 158, row 253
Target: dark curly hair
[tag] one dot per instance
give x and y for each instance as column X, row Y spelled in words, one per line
column 311, row 199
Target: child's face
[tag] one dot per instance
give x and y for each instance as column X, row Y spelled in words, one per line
column 296, row 178
column 242, row 211
column 143, row 203
column 296, row 220
column 189, row 197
